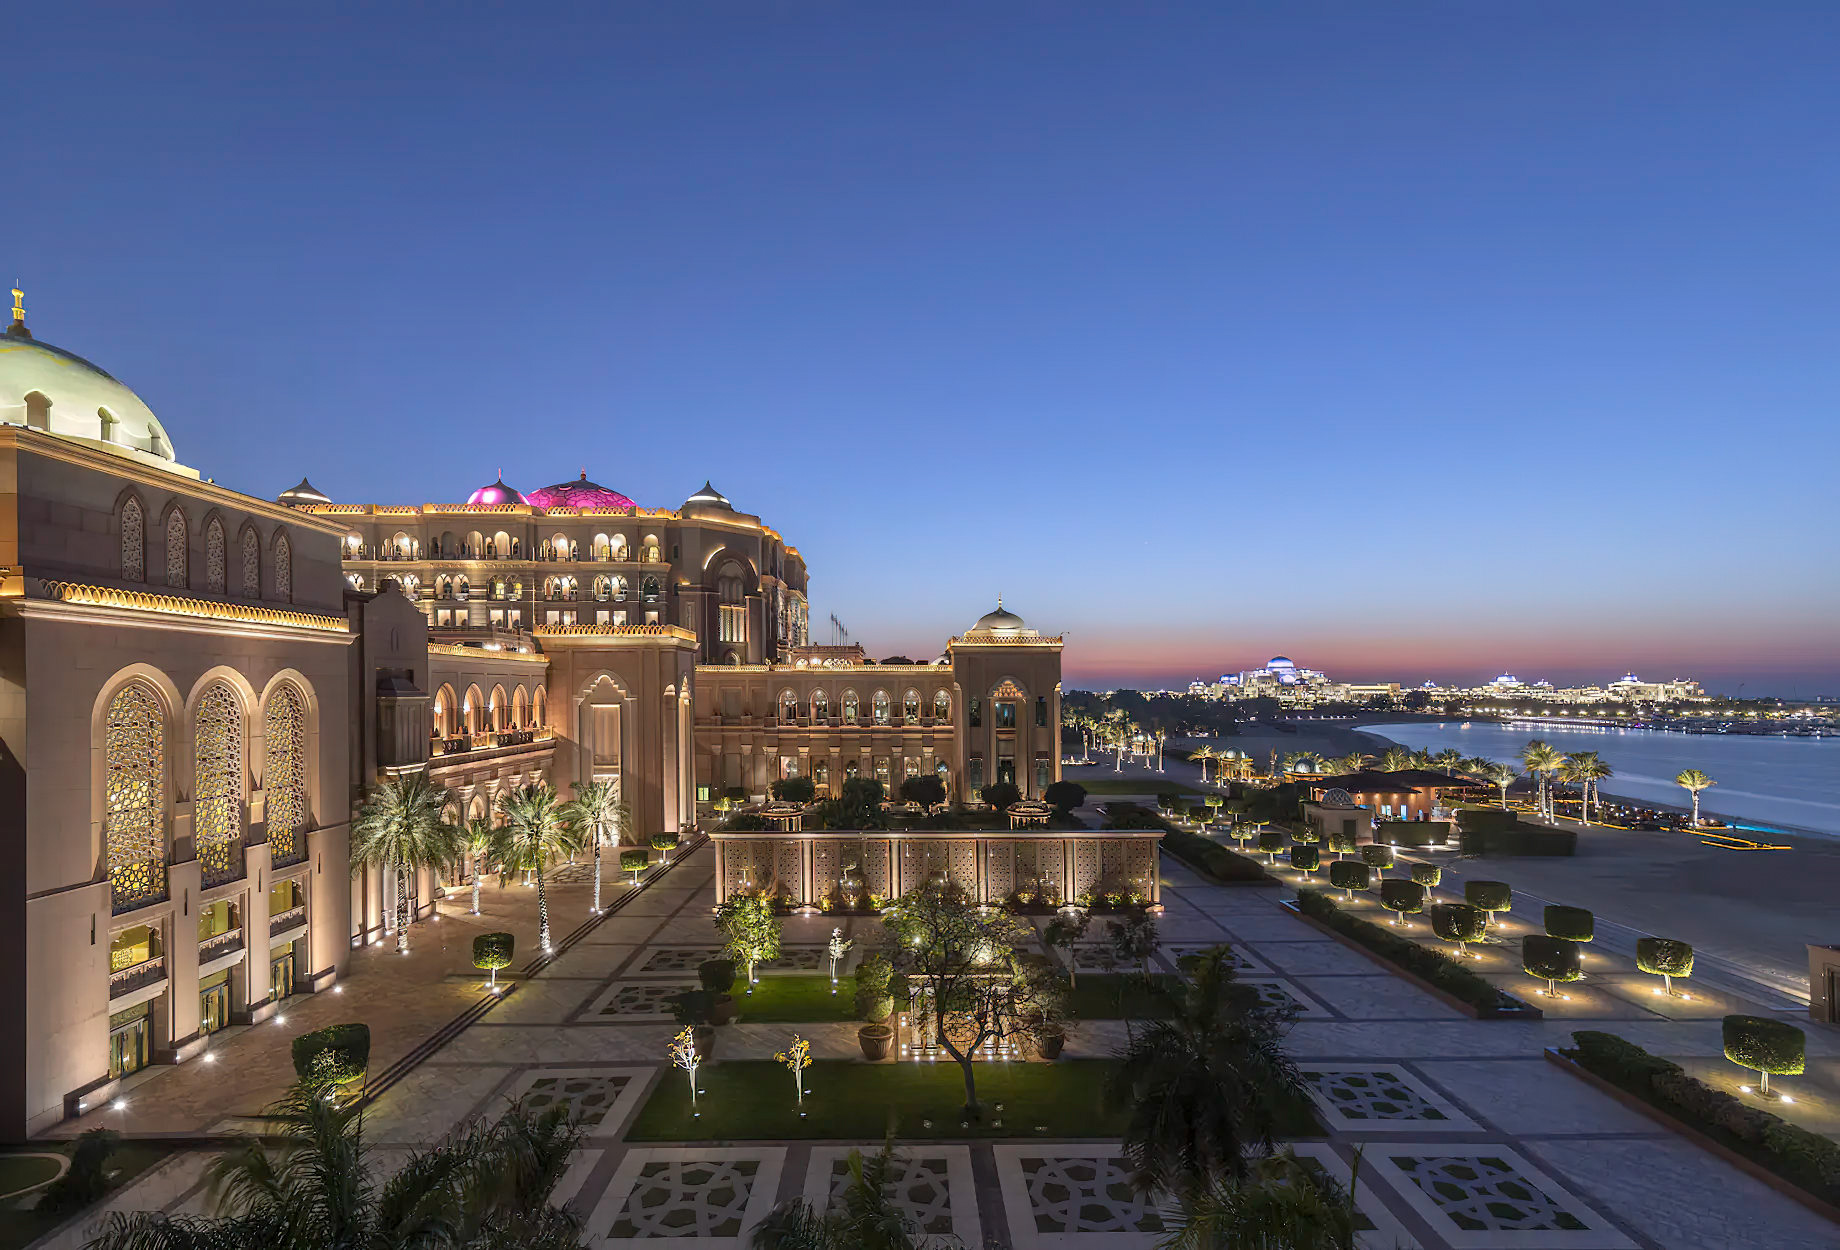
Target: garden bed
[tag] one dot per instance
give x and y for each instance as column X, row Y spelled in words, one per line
column 1123, row 996
column 795, row 998
column 1789, row 1159
column 1432, row 971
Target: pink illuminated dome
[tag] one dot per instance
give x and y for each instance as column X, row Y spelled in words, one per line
column 496, row 493
column 580, row 493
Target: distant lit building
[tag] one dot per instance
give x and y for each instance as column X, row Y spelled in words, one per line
column 1282, row 679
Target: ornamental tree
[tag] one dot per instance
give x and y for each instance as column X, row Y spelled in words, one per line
column 1765, row 1046
column 1552, row 959
column 1665, row 958
column 685, row 1055
column 1342, row 842
column 750, row 931
column 338, row 1053
column 796, row 1058
column 1459, row 923
column 1062, row 796
column 492, row 951
column 1271, row 842
column 1348, row 876
column 1379, row 857
column 794, row 789
column 1428, row 875
column 1001, row 795
column 1306, row 859
column 1064, row 933
column 1489, row 897
column 928, row 791
column 1306, row 834
column 838, row 947
column 1574, row 924
column 1134, row 939
column 664, row 843
column 1402, row 898
column 635, row 862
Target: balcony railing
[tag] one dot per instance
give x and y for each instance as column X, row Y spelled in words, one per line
column 140, row 976
column 218, row 946
column 488, row 741
column 292, row 918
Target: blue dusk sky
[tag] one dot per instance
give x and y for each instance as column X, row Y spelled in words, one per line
column 1408, row 340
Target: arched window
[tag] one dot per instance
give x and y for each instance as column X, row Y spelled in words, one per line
column 446, row 712
column 133, row 541
column 942, row 706
column 134, row 823
column 539, row 708
column 409, row 583
column 617, row 587
column 252, row 565
column 217, row 784
column 788, row 706
column 474, row 709
column 284, row 568
column 851, row 706
column 520, row 709
column 461, row 589
column 910, row 707
column 499, row 707
column 603, row 587
column 284, row 775
column 214, row 573
column 820, row 705
column 617, row 547
column 178, row 541
column 880, row 703
column 648, row 590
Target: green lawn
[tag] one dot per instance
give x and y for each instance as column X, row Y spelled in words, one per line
column 20, row 1224
column 1096, row 997
column 796, row 999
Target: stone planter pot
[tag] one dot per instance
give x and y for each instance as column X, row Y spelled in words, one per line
column 1049, row 1045
column 722, row 1011
column 876, row 1041
column 705, row 1038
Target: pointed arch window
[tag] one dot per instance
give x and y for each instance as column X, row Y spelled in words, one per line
column 217, row 797
column 214, row 556
column 284, row 775
column 284, row 568
column 820, row 705
column 788, row 707
column 133, row 542
column 252, row 565
column 178, row 536
column 134, row 794
column 910, row 707
column 942, row 706
column 880, row 705
column 852, row 706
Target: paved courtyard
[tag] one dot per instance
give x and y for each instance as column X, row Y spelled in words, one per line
column 1467, row 1137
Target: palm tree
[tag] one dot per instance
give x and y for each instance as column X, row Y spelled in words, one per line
column 1286, row 1205
column 478, row 838
column 1692, row 780
column 1502, row 775
column 1584, row 768
column 1353, row 762
column 595, row 811
column 403, row 828
column 485, row 1185
column 867, row 1214
column 535, row 831
column 1475, row 766
column 1596, row 769
column 1395, row 759
column 1541, row 760
column 1449, row 759
column 1201, row 755
column 1202, row 1087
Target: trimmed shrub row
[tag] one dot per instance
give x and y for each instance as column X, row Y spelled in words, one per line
column 1433, row 966
column 1804, row 1159
column 1212, row 859
column 1518, row 839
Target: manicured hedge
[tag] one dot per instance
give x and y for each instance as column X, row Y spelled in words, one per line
column 1489, row 896
column 1306, row 858
column 1484, row 819
column 1428, row 875
column 1804, row 1159
column 1550, row 958
column 666, row 842
column 1345, row 874
column 1412, row 834
column 1574, row 924
column 1459, row 922
column 1434, row 966
column 634, row 861
column 1664, row 957
column 1377, row 856
column 1211, row 859
column 1518, row 839
column 1402, row 896
column 493, row 950
column 1765, row 1045
column 338, row 1052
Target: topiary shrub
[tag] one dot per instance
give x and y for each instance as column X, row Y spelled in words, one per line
column 635, row 862
column 1459, row 923
column 1665, row 958
column 1342, row 842
column 1271, row 842
column 1434, row 966
column 1307, row 835
column 1574, row 924
column 1402, row 898
column 1551, row 959
column 874, row 979
column 1428, row 875
column 338, row 1052
column 1765, row 1046
column 1489, row 897
column 492, row 951
column 1305, row 859
column 664, row 843
column 717, row 975
column 1377, row 857
column 1348, row 876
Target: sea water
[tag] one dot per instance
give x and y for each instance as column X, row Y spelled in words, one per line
column 1786, row 783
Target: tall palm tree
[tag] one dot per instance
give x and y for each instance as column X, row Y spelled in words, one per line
column 867, row 1215
column 1395, row 759
column 593, row 813
column 535, row 831
column 485, row 1185
column 1203, row 1087
column 1596, row 768
column 1502, row 775
column 1201, row 755
column 1692, row 780
column 478, row 838
column 1475, row 766
column 1541, row 760
column 1285, row 1205
column 1353, row 762
column 1449, row 759
column 402, row 828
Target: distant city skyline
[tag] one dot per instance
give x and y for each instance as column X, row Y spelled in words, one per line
column 1412, row 343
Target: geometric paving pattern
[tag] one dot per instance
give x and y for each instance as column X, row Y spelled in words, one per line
column 933, row 1184
column 800, row 959
column 595, row 1097
column 677, row 958
column 707, row 1199
column 1282, row 998
column 1237, row 958
column 1488, row 1196
column 1075, row 1197
column 1380, row 1098
column 1376, row 1228
column 638, row 1000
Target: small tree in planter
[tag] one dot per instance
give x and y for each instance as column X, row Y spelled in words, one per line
column 1428, row 875
column 1001, row 795
column 750, row 930
column 339, row 1054
column 1377, row 857
column 664, row 843
column 796, row 1058
column 1348, row 876
column 1306, row 859
column 927, row 791
column 1064, row 933
column 1402, row 898
column 1459, row 923
column 635, row 861
column 492, row 951
column 874, row 988
column 1488, row 897
column 1271, row 842
column 1767, row 1047
column 1665, row 958
column 1551, row 959
column 685, row 1055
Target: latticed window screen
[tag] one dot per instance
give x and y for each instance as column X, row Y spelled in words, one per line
column 252, row 565
column 284, row 570
column 176, row 538
column 284, row 776
column 133, row 542
column 134, row 823
column 214, row 557
column 217, row 795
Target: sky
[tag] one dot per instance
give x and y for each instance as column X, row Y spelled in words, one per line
column 1410, row 340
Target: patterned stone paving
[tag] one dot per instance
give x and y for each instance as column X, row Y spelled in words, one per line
column 800, row 959
column 1074, row 1197
column 637, row 1000
column 1237, row 955
column 1379, row 1098
column 702, row 1199
column 932, row 1183
column 675, row 958
column 1376, row 1227
column 596, row 1097
column 1489, row 1196
column 1283, row 995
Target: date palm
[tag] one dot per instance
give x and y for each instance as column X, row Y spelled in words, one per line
column 1449, row 759
column 1583, row 768
column 1502, row 775
column 478, row 839
column 1353, row 762
column 1396, row 759
column 1541, row 760
column 867, row 1215
column 593, row 813
column 403, row 828
column 1692, row 780
column 318, row 1189
column 536, row 830
column 1286, row 1204
column 1201, row 755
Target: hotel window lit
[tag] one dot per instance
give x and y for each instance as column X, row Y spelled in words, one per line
column 1006, row 715
column 734, row 622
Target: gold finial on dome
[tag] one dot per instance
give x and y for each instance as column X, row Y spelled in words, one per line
column 19, row 306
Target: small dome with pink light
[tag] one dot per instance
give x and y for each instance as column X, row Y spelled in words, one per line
column 580, row 493
column 496, row 493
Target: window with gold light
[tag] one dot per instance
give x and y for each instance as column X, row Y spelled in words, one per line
column 133, row 542
column 134, row 822
column 284, row 776
column 217, row 795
